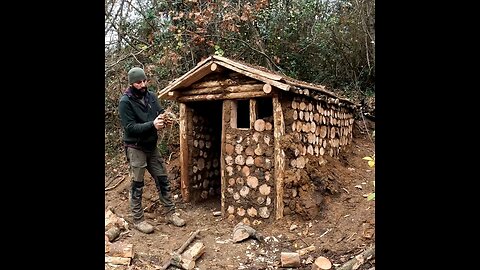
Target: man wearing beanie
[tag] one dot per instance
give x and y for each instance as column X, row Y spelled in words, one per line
column 141, row 117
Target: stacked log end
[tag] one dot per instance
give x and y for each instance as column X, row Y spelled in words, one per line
column 205, row 169
column 321, row 128
column 248, row 158
column 318, row 127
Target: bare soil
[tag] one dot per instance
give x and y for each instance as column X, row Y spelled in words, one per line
column 343, row 228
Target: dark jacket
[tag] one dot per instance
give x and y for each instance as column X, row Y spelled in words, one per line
column 137, row 120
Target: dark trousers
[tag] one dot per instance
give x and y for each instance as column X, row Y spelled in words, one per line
column 152, row 162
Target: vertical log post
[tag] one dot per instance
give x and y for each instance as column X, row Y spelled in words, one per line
column 253, row 112
column 184, row 158
column 278, row 132
column 223, row 182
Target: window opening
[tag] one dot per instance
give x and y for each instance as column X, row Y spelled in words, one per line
column 243, row 114
column 264, row 108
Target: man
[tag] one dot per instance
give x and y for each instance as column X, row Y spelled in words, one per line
column 141, row 117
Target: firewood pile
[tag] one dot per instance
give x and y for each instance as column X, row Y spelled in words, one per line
column 116, row 253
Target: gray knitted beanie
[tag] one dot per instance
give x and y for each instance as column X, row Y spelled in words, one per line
column 136, row 74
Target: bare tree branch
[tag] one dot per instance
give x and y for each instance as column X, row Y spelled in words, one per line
column 122, row 36
column 250, row 47
column 139, row 40
column 132, row 54
column 141, row 13
column 110, row 66
column 107, row 16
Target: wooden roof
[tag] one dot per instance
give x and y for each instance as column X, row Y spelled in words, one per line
column 282, row 82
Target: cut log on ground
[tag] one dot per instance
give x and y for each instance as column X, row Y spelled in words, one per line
column 181, row 262
column 290, row 259
column 304, row 251
column 321, row 263
column 114, row 225
column 119, row 253
column 112, row 233
column 358, row 260
column 112, row 220
column 187, row 259
column 118, row 249
column 118, row 260
column 180, row 250
column 195, row 251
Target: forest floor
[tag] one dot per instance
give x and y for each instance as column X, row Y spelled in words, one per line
column 344, row 228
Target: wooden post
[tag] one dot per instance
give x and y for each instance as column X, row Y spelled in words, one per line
column 253, row 111
column 278, row 132
column 184, row 158
column 223, row 183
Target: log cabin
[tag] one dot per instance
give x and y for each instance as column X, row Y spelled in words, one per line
column 235, row 119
